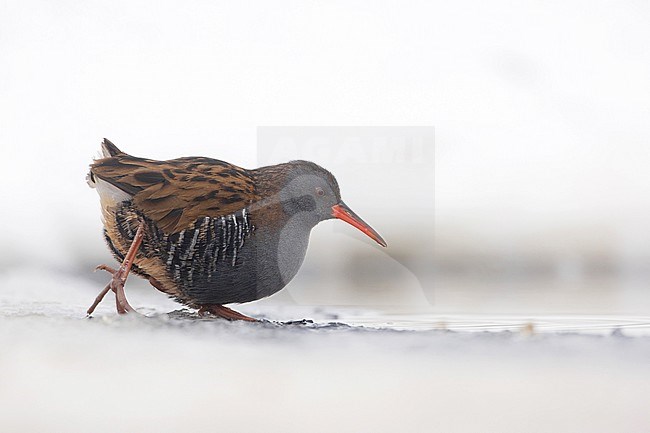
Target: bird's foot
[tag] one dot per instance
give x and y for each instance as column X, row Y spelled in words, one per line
column 225, row 312
column 117, row 286
column 119, row 278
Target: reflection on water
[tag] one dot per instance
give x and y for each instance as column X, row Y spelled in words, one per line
column 628, row 325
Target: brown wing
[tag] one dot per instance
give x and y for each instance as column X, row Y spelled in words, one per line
column 177, row 192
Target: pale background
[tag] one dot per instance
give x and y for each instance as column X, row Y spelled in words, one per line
column 540, row 112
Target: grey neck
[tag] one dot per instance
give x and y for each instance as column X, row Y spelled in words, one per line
column 281, row 252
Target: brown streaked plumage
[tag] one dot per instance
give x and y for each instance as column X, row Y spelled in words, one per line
column 175, row 193
column 207, row 232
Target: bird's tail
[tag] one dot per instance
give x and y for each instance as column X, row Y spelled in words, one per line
column 109, row 149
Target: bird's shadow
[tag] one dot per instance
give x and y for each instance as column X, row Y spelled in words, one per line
column 190, row 315
column 187, row 316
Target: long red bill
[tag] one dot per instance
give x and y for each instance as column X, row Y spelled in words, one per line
column 343, row 212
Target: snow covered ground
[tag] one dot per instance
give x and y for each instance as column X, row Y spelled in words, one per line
column 349, row 371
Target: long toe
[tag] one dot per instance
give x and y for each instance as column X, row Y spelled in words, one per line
column 225, row 312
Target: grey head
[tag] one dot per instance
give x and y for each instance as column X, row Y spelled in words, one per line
column 310, row 194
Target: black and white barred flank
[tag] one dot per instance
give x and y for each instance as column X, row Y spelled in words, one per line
column 208, row 244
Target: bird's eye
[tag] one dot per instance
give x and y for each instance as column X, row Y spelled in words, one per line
column 320, row 191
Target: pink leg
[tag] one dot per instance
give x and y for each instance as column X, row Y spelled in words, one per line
column 225, row 312
column 119, row 277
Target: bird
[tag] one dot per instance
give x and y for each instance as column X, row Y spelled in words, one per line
column 208, row 233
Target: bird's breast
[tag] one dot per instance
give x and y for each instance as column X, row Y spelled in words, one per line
column 217, row 260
